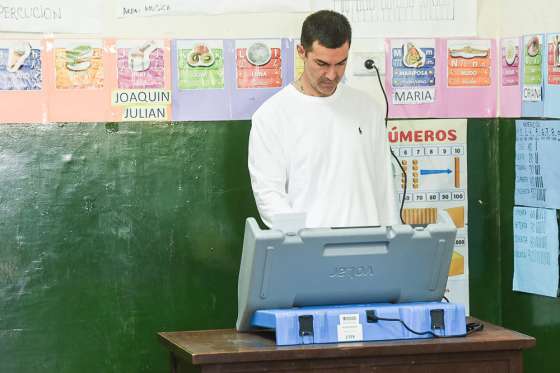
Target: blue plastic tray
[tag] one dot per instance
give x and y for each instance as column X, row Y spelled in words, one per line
column 351, row 323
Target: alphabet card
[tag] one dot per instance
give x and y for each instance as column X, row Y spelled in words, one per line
column 22, row 93
column 414, row 85
column 262, row 68
column 79, row 91
column 510, row 77
column 471, row 78
column 552, row 76
column 532, row 73
column 143, row 81
column 199, row 79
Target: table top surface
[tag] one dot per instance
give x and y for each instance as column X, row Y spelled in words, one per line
column 229, row 346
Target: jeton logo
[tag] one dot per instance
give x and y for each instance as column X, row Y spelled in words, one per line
column 351, row 272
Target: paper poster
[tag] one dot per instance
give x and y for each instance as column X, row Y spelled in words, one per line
column 144, row 8
column 510, row 91
column 143, row 83
column 262, row 67
column 79, row 64
column 78, row 91
column 413, row 81
column 199, row 78
column 383, row 18
column 259, row 63
column 532, row 76
column 471, row 78
column 21, row 81
column 537, row 170
column 552, row 76
column 51, row 16
column 433, row 153
column 298, row 61
column 535, row 251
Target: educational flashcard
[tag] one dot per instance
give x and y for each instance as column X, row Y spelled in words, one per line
column 552, row 76
column 79, row 64
column 412, row 80
column 143, row 87
column 259, row 63
column 140, row 64
column 433, row 154
column 510, row 91
column 20, row 66
column 532, row 72
column 78, row 90
column 201, row 83
column 471, row 78
column 21, row 81
column 537, row 170
column 261, row 68
column 200, row 64
column 535, row 251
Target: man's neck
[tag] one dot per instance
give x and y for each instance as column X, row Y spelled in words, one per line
column 305, row 88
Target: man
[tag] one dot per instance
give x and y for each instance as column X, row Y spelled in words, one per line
column 320, row 147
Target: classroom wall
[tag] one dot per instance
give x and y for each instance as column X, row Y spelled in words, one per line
column 110, row 232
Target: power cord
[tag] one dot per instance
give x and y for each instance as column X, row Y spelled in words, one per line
column 471, row 327
column 429, row 332
column 370, row 64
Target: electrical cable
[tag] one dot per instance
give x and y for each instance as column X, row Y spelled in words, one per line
column 390, row 149
column 471, row 327
column 429, row 332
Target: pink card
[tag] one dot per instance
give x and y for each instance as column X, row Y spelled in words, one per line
column 22, row 87
column 470, row 77
column 77, row 86
column 413, row 80
column 142, row 81
column 510, row 68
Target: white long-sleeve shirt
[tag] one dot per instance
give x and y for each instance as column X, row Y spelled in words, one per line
column 325, row 156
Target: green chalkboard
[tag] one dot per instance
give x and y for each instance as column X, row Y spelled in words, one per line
column 110, row 233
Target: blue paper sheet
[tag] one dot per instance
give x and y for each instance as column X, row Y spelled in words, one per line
column 535, row 264
column 537, row 170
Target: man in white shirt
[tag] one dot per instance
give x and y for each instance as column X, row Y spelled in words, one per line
column 320, row 147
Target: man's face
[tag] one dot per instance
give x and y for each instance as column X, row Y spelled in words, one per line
column 324, row 67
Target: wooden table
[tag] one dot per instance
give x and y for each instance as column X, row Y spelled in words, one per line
column 492, row 350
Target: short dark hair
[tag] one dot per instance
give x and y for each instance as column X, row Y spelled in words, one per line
column 329, row 28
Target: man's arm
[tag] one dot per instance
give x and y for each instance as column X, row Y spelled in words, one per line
column 268, row 168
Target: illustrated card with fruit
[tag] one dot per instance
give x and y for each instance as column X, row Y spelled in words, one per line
column 200, row 64
column 78, row 64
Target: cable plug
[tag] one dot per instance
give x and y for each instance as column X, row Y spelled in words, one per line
column 371, row 316
column 369, row 64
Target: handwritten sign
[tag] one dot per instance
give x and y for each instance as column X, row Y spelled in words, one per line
column 136, row 8
column 55, row 16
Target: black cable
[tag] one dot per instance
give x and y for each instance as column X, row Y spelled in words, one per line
column 474, row 327
column 409, row 329
column 392, row 153
column 447, row 300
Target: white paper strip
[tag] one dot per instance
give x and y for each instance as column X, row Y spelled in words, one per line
column 137, row 8
column 68, row 16
column 397, row 18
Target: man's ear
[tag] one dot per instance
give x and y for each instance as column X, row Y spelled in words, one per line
column 301, row 51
